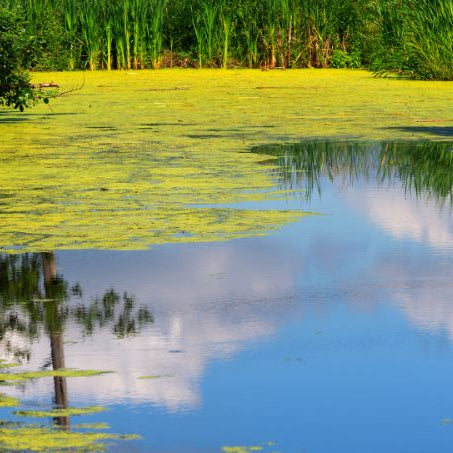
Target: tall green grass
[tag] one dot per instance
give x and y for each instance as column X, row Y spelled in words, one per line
column 429, row 39
column 411, row 37
column 134, row 34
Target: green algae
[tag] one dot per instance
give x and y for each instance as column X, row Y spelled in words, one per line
column 35, row 438
column 17, row 436
column 262, row 447
column 8, row 401
column 241, row 449
column 91, row 426
column 4, row 364
column 62, row 372
column 87, row 174
column 67, row 412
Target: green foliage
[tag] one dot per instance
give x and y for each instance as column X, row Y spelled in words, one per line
column 47, row 40
column 206, row 26
column 383, row 34
column 429, row 39
column 342, row 59
column 15, row 89
column 21, row 49
column 412, row 38
column 133, row 34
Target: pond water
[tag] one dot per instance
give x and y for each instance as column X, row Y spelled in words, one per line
column 332, row 334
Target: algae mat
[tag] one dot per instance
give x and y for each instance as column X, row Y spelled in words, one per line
column 139, row 158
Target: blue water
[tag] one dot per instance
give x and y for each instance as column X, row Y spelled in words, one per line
column 333, row 334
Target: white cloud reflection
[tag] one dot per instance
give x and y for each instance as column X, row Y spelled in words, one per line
column 421, row 284
column 406, row 217
column 208, row 303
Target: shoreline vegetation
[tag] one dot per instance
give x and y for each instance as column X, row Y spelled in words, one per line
column 411, row 38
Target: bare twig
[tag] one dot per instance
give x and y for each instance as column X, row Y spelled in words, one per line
column 44, row 85
column 72, row 90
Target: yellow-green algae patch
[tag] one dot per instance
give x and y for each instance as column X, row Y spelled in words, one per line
column 5, row 364
column 67, row 412
column 8, row 401
column 129, row 161
column 35, row 438
column 91, row 426
column 62, row 372
column 18, row 436
column 241, row 449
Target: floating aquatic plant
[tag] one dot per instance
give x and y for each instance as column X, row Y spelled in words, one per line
column 18, row 436
column 50, row 373
column 67, row 412
column 35, row 438
column 8, row 401
column 4, row 364
column 91, row 426
column 82, row 177
column 241, row 449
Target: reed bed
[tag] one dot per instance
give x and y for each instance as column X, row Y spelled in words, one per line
column 134, row 34
column 411, row 37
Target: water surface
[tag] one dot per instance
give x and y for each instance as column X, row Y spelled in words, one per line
column 332, row 334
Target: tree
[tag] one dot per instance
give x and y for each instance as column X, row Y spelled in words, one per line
column 15, row 48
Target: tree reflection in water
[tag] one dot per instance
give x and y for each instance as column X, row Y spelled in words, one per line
column 34, row 298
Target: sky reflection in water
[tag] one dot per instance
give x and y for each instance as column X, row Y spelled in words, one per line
column 331, row 335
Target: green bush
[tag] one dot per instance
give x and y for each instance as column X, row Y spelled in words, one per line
column 15, row 89
column 342, row 59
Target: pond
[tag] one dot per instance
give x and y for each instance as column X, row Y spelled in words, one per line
column 332, row 333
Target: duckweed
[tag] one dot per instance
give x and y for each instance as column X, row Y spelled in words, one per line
column 62, row 372
column 34, row 438
column 5, row 364
column 81, row 176
column 91, row 426
column 8, row 401
column 241, row 449
column 68, row 412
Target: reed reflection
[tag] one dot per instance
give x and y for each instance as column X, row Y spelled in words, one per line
column 418, row 167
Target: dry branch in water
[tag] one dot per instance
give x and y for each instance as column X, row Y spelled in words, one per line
column 44, row 85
